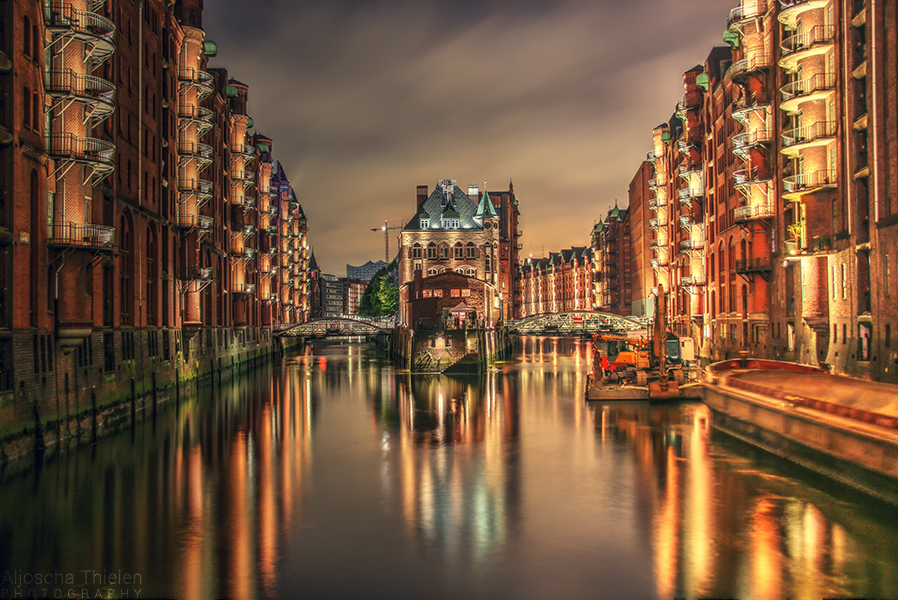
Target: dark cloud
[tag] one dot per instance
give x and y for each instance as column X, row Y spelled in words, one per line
column 367, row 99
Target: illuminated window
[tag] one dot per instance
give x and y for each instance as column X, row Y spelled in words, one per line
column 456, row 293
column 465, row 293
column 427, row 294
column 438, row 293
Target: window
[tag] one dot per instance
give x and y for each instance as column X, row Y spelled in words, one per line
column 416, row 250
column 427, row 294
column 437, row 293
column 886, row 275
column 466, row 293
column 417, row 266
column 425, row 223
column 487, row 263
column 835, row 334
column 456, row 293
column 444, row 251
column 26, row 37
column 431, row 271
column 471, row 251
column 459, row 251
column 844, row 284
column 431, row 251
column 449, row 223
column 471, row 273
column 26, row 106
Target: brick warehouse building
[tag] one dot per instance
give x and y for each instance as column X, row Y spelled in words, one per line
column 776, row 225
column 562, row 282
column 141, row 230
column 473, row 234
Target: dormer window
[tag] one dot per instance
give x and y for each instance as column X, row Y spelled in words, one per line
column 449, row 223
column 425, row 223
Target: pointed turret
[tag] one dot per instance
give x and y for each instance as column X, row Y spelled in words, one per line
column 485, row 209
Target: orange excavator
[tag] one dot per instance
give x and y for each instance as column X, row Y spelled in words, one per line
column 636, row 361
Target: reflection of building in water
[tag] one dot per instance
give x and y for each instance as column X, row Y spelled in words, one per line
column 454, row 446
column 725, row 530
column 255, row 460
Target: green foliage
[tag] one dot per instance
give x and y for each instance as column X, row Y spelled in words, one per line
column 381, row 297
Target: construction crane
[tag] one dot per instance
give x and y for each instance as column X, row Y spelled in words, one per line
column 386, row 229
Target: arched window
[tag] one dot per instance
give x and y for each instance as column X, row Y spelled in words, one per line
column 744, row 300
column 431, row 251
column 431, row 271
column 471, row 273
column 416, row 250
column 444, row 251
column 459, row 270
column 459, row 251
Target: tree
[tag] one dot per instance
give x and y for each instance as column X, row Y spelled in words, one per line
column 381, row 297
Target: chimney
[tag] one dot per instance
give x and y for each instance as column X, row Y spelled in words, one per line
column 474, row 192
column 422, row 195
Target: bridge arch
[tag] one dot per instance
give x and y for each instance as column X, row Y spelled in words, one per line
column 575, row 322
column 336, row 326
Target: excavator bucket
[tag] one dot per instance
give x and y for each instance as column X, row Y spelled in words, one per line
column 664, row 390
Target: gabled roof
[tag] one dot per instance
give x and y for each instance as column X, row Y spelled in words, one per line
column 448, row 201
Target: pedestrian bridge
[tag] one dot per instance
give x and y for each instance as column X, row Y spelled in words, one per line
column 575, row 323
column 335, row 326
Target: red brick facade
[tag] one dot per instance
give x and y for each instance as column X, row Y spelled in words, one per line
column 135, row 207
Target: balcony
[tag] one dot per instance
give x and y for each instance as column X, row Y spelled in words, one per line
column 98, row 154
column 246, row 289
column 246, row 254
column 688, row 171
column 816, row 87
column 750, row 65
column 201, row 153
column 690, row 101
column 657, row 223
column 817, row 40
column 745, row 178
column 199, row 116
column 692, row 244
column 745, row 141
column 815, row 134
column 743, row 110
column 199, row 274
column 809, row 182
column 96, row 93
column 656, row 203
column 201, row 80
column 659, row 245
column 658, row 263
column 791, row 10
column 657, row 182
column 686, row 222
column 81, row 235
column 200, row 222
column 248, row 230
column 751, row 9
column 759, row 264
column 188, row 187
column 97, row 32
column 742, row 214
column 690, row 193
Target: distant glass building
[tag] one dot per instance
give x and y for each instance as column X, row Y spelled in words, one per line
column 366, row 271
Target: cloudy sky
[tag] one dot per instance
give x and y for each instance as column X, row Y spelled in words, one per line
column 366, row 99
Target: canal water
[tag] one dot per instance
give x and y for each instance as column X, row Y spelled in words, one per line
column 333, row 476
